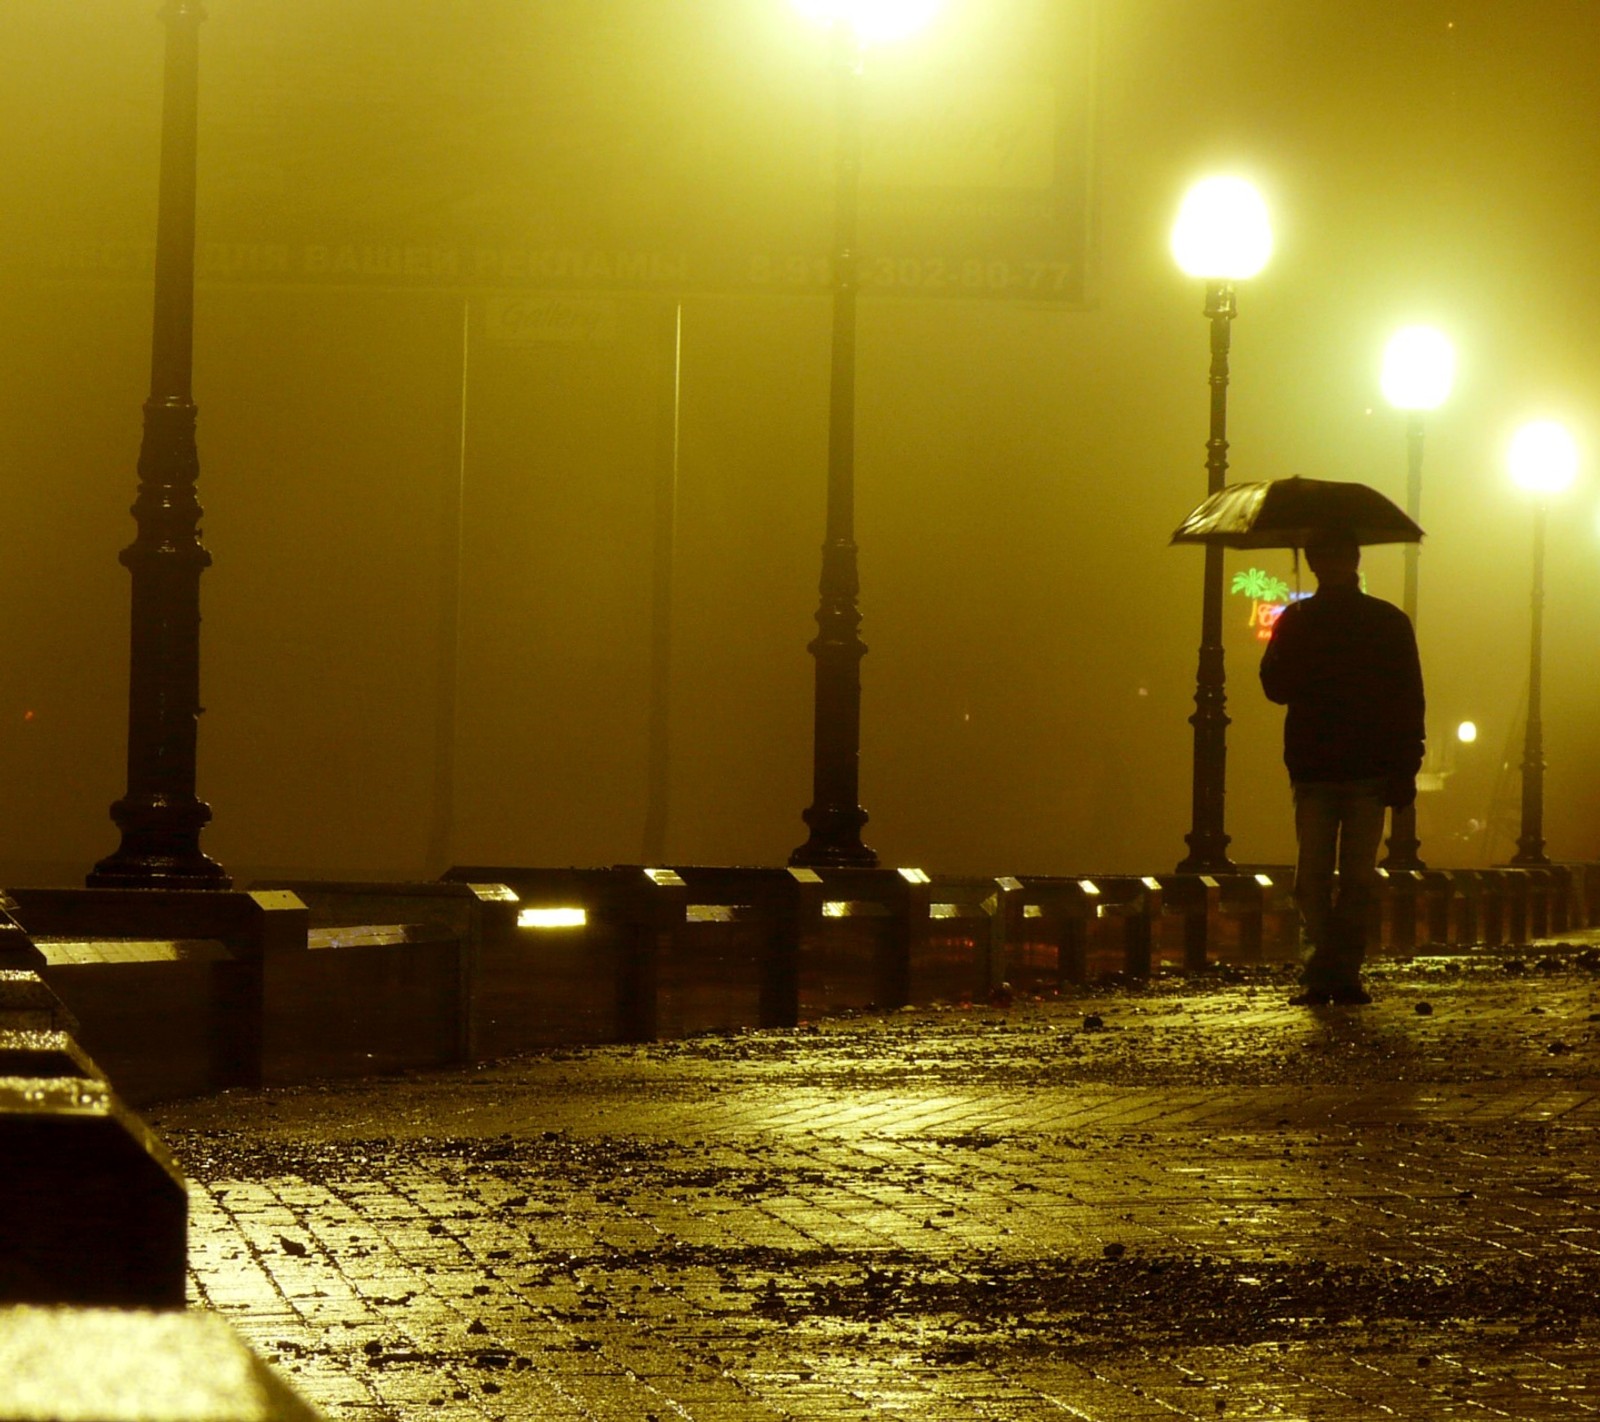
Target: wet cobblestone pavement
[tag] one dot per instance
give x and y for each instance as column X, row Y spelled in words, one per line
column 1185, row 1200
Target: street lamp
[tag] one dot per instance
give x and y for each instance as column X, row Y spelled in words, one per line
column 1419, row 367
column 159, row 817
column 835, row 817
column 1543, row 460
column 1221, row 236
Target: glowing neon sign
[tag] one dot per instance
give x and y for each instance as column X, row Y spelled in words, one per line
column 1268, row 597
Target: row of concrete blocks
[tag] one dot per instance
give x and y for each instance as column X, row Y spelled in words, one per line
column 93, row 1242
column 185, row 993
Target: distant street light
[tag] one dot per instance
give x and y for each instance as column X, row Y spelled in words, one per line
column 1419, row 367
column 835, row 816
column 1543, row 460
column 159, row 817
column 1221, row 236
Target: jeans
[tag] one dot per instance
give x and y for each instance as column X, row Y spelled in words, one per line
column 1337, row 822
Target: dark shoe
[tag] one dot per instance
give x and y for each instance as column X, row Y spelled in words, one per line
column 1311, row 997
column 1351, row 995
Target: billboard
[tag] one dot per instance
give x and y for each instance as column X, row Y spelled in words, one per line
column 541, row 145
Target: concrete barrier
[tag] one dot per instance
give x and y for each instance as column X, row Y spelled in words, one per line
column 181, row 993
column 28, row 1005
column 122, row 1365
column 93, row 1210
column 166, row 985
column 964, row 958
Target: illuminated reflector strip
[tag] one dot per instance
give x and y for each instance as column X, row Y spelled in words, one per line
column 552, row 918
column 710, row 913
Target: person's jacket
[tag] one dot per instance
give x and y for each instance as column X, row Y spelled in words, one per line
column 1346, row 666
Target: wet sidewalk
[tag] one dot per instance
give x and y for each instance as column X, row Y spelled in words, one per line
column 1184, row 1200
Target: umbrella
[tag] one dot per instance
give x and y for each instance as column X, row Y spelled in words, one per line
column 1285, row 513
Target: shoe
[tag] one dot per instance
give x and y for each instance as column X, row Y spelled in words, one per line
column 1350, row 995
column 1311, row 997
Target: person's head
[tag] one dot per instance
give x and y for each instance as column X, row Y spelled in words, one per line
column 1334, row 556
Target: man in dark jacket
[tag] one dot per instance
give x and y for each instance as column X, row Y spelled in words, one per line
column 1346, row 666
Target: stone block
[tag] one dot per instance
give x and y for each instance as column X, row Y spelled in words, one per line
column 116, row 1365
column 27, row 1004
column 43, row 1054
column 93, row 1211
column 164, row 1018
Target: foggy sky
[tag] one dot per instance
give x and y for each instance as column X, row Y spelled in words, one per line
column 1020, row 463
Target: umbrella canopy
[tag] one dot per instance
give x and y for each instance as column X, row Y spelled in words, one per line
column 1287, row 513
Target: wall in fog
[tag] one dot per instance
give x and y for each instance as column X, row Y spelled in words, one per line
column 432, row 508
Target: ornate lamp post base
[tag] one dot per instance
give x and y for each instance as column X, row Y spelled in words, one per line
column 1403, row 843
column 160, row 847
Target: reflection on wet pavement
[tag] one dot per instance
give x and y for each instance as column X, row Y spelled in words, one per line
column 1185, row 1200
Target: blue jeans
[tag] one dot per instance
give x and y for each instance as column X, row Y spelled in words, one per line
column 1337, row 823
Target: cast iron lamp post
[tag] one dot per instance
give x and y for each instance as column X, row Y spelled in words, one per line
column 1222, row 236
column 1544, row 460
column 159, row 817
column 1419, row 367
column 835, row 817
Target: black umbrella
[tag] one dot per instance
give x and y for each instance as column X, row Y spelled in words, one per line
column 1287, row 513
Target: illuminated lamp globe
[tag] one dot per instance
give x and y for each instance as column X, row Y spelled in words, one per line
column 1543, row 457
column 1467, row 732
column 1222, row 232
column 1419, row 367
column 873, row 21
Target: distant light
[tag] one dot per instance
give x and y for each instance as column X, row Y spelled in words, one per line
column 552, row 917
column 836, row 908
column 1419, row 367
column 874, row 21
column 1467, row 732
column 1222, row 232
column 1543, row 457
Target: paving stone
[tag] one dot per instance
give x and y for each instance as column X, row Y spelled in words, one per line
column 1218, row 1206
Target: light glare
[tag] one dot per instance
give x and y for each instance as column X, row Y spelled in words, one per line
column 873, row 21
column 1419, row 367
column 1222, row 232
column 1467, row 732
column 1543, row 457
column 552, row 918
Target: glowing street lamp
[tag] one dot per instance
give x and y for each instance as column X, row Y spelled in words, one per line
column 1419, row 367
column 1543, row 460
column 872, row 21
column 835, row 817
column 1222, row 235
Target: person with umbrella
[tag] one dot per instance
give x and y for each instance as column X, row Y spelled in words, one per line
column 1346, row 666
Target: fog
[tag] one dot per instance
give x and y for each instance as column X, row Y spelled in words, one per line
column 468, row 274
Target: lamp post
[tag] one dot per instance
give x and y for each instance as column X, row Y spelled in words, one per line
column 1221, row 236
column 1419, row 366
column 1544, row 460
column 835, row 817
column 159, row 817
